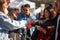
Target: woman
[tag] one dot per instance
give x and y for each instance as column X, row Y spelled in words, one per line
column 45, row 31
column 6, row 24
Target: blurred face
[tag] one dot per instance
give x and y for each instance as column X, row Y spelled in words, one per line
column 6, row 4
column 27, row 10
column 46, row 14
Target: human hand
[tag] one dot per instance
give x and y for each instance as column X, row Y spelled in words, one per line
column 41, row 29
column 31, row 21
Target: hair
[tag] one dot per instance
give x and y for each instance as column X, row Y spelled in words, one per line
column 26, row 5
column 22, row 6
column 10, row 14
column 1, row 4
column 51, row 13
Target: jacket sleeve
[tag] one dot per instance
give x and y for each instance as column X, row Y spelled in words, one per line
column 51, row 21
column 11, row 24
column 46, row 23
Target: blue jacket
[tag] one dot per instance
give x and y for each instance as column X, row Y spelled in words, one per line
column 22, row 16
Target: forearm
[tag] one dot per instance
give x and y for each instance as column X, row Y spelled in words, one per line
column 46, row 23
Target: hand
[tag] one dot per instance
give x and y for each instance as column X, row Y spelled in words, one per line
column 41, row 29
column 50, row 27
column 31, row 21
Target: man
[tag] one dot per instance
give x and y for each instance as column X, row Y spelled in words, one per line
column 29, row 17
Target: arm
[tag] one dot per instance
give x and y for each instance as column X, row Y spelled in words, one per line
column 46, row 23
column 11, row 24
column 51, row 21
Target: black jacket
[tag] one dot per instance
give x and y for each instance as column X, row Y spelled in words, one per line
column 53, row 22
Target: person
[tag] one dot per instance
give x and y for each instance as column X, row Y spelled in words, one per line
column 11, row 14
column 21, row 14
column 54, row 22
column 25, row 12
column 29, row 17
column 45, row 31
column 6, row 24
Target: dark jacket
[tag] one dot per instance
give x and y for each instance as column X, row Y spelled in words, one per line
column 53, row 22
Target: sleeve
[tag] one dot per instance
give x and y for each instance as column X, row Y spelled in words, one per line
column 48, row 22
column 11, row 24
column 51, row 21
column 33, row 17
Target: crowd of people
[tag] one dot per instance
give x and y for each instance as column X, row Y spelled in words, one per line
column 43, row 26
